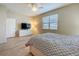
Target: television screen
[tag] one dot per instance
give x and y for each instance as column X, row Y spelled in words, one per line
column 25, row 26
column 28, row 26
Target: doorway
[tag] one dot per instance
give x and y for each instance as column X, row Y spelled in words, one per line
column 10, row 27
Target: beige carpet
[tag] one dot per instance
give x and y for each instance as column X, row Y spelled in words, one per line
column 15, row 47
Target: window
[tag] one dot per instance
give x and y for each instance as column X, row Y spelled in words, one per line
column 50, row 22
column 46, row 22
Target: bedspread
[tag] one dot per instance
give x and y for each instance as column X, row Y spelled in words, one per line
column 51, row 44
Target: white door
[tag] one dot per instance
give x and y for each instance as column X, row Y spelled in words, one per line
column 10, row 27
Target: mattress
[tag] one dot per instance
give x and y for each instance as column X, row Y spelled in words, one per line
column 51, row 44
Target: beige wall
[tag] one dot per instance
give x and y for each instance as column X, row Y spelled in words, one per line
column 2, row 24
column 36, row 25
column 68, row 20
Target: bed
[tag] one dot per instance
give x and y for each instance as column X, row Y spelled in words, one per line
column 51, row 44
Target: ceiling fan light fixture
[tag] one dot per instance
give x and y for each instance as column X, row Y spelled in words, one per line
column 34, row 8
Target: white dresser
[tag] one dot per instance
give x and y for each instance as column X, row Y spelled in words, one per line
column 25, row 32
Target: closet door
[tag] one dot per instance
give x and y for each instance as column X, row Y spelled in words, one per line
column 10, row 27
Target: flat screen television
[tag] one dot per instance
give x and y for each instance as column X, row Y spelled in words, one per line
column 25, row 26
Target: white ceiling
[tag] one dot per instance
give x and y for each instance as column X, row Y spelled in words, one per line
column 22, row 8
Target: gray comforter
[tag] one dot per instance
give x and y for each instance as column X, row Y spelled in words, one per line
column 51, row 44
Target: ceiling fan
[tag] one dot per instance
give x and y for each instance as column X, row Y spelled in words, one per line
column 35, row 6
